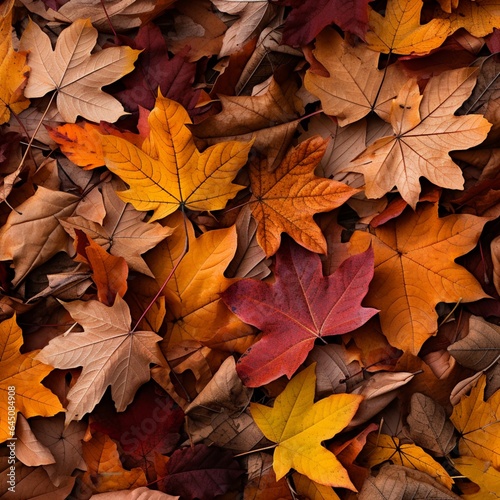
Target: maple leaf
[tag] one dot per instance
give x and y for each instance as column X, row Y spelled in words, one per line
column 478, row 423
column 308, row 18
column 301, row 306
column 483, row 474
column 74, row 73
column 415, row 269
column 382, row 447
column 12, row 68
column 286, row 199
column 298, row 425
column 20, row 378
column 355, row 85
column 104, row 468
column 425, row 130
column 169, row 172
column 400, row 31
column 122, row 232
column 110, row 353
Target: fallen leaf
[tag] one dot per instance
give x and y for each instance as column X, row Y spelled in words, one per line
column 382, row 447
column 200, row 472
column 29, row 450
column 286, row 200
column 400, row 31
column 104, row 469
column 478, row 424
column 13, row 68
column 415, row 269
column 481, row 473
column 395, row 481
column 301, row 306
column 425, row 130
column 77, row 75
column 480, row 348
column 169, row 172
column 21, row 377
column 429, row 425
column 298, row 425
column 142, row 493
column 109, row 352
column 355, row 85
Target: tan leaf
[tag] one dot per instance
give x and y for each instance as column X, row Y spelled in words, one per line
column 109, row 352
column 77, row 75
column 29, row 450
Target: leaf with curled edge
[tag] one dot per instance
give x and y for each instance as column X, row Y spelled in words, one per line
column 415, row 269
column 169, row 172
column 301, row 306
column 109, row 352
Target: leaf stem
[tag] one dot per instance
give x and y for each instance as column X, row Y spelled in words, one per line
column 256, row 451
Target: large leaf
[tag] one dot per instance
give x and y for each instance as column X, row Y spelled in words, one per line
column 20, row 381
column 425, row 131
column 286, row 199
column 415, row 269
column 109, row 352
column 298, row 425
column 75, row 73
column 169, row 172
column 301, row 306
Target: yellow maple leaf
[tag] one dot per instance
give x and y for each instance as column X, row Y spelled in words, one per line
column 13, row 69
column 20, row 377
column 478, row 422
column 400, row 31
column 169, row 172
column 481, row 473
column 77, row 75
column 298, row 425
column 380, row 448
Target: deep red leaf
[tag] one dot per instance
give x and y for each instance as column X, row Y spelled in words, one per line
column 309, row 17
column 151, row 423
column 301, row 306
column 155, row 69
column 201, row 472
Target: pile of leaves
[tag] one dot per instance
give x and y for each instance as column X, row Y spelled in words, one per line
column 250, row 249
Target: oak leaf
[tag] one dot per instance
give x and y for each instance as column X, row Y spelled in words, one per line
column 298, row 425
column 382, row 447
column 400, row 31
column 74, row 73
column 415, row 269
column 301, row 306
column 13, row 68
column 355, row 85
column 169, row 172
column 286, row 199
column 478, row 423
column 425, row 130
column 20, row 378
column 110, row 353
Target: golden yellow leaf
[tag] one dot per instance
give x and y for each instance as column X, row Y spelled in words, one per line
column 400, row 31
column 298, row 425
column 381, row 447
column 415, row 269
column 169, row 172
column 425, row 131
column 76, row 74
column 13, row 68
column 20, row 382
column 483, row 474
column 285, row 200
column 478, row 423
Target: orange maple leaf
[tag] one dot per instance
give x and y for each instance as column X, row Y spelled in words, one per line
column 415, row 269
column 169, row 172
column 285, row 200
column 20, row 381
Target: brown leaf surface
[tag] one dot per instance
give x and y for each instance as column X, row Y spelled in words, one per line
column 415, row 269
column 285, row 200
column 109, row 352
